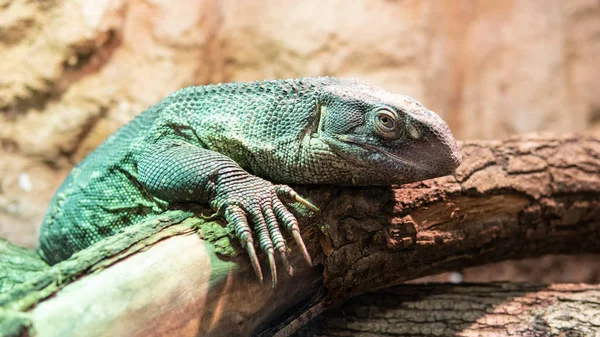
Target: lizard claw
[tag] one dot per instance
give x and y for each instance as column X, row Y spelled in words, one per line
column 306, row 203
column 264, row 208
column 236, row 218
column 273, row 268
column 286, row 262
column 254, row 260
column 288, row 192
column 302, row 246
column 291, row 224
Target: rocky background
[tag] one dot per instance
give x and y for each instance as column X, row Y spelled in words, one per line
column 72, row 72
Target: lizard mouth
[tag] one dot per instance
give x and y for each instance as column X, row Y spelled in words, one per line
column 417, row 167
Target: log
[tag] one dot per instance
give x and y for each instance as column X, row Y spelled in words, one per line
column 521, row 197
column 466, row 310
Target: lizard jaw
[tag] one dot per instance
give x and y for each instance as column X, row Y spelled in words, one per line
column 408, row 163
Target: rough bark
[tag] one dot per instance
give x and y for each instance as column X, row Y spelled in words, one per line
column 503, row 309
column 521, row 197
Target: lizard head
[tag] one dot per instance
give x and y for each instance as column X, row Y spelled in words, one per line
column 389, row 138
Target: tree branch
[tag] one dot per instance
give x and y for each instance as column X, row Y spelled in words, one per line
column 521, row 197
column 430, row 310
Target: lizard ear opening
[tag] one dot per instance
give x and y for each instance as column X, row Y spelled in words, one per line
column 413, row 130
column 316, row 127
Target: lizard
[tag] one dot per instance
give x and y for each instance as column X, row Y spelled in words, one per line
column 236, row 147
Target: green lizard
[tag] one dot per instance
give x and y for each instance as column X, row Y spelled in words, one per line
column 233, row 146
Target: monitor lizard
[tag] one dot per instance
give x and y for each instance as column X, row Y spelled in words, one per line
column 236, row 146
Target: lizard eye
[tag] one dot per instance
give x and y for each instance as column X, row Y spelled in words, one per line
column 386, row 124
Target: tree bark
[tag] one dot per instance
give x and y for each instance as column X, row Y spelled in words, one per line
column 504, row 309
column 521, row 197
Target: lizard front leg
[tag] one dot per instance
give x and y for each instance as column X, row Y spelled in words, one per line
column 177, row 171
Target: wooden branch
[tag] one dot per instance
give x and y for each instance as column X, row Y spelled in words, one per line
column 522, row 197
column 465, row 310
column 517, row 198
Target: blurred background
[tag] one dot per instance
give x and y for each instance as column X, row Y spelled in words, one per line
column 72, row 72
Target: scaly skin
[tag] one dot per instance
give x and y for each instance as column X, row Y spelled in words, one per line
column 231, row 145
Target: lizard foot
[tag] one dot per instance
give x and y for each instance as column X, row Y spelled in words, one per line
column 258, row 204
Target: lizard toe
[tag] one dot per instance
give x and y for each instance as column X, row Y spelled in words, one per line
column 236, row 219
column 264, row 241
column 290, row 223
column 289, row 195
column 276, row 236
